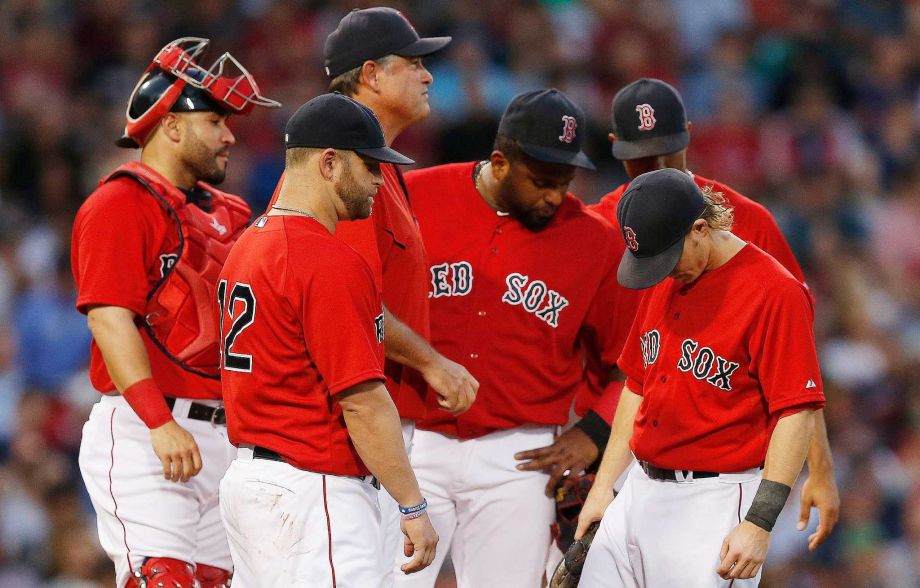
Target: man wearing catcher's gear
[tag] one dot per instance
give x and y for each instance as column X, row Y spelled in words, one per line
column 147, row 248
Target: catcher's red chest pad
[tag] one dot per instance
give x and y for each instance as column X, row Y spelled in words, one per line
column 182, row 311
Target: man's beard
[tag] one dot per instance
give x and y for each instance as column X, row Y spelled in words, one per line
column 356, row 200
column 203, row 162
column 530, row 218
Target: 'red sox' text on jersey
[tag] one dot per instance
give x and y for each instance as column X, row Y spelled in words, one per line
column 718, row 362
column 512, row 304
column 753, row 223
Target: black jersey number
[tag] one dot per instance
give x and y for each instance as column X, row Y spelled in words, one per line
column 235, row 362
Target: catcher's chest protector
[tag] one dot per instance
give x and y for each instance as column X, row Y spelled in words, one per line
column 182, row 315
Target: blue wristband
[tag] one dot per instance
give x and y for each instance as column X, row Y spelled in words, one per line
column 407, row 510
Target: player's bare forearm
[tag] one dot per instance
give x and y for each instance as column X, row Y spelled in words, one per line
column 617, row 455
column 121, row 345
column 455, row 387
column 820, row 489
column 820, row 461
column 126, row 359
column 405, row 346
column 788, row 447
column 374, row 428
column 745, row 548
column 616, row 458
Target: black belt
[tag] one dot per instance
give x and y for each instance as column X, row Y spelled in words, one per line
column 656, row 473
column 202, row 412
column 263, row 453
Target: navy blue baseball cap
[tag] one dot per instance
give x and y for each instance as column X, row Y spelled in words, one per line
column 547, row 126
column 373, row 33
column 656, row 212
column 336, row 121
column 649, row 119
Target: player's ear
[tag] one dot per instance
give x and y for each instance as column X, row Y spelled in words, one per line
column 700, row 227
column 611, row 137
column 171, row 124
column 500, row 165
column 327, row 163
column 689, row 127
column 369, row 71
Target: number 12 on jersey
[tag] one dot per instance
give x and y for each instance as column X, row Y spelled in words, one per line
column 235, row 362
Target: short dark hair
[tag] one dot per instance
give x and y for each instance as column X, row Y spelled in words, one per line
column 509, row 148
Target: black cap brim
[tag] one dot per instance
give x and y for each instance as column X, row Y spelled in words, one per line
column 551, row 155
column 127, row 142
column 639, row 273
column 653, row 146
column 423, row 47
column 386, row 155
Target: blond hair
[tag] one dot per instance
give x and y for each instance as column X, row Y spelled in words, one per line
column 718, row 214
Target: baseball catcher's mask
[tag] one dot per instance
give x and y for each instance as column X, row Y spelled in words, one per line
column 174, row 82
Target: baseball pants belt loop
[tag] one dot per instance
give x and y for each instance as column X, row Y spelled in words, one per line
column 263, row 453
column 656, row 473
column 201, row 412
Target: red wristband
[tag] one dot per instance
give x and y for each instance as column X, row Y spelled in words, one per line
column 148, row 402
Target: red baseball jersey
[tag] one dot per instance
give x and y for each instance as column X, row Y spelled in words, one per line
column 718, row 361
column 511, row 304
column 122, row 245
column 391, row 243
column 301, row 321
column 753, row 223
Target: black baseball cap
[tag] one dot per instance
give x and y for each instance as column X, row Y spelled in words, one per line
column 656, row 212
column 373, row 33
column 649, row 119
column 337, row 121
column 548, row 127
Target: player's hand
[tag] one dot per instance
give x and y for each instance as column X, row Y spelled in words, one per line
column 819, row 491
column 177, row 451
column 421, row 541
column 571, row 451
column 455, row 387
column 593, row 509
column 743, row 552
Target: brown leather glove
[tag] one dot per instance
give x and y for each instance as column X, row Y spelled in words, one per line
column 568, row 572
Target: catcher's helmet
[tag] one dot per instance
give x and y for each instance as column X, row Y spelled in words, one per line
column 174, row 82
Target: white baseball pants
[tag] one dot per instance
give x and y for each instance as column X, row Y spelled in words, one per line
column 141, row 514
column 290, row 527
column 494, row 518
column 661, row 534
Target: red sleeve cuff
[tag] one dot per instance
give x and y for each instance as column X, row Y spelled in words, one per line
column 634, row 386
column 817, row 405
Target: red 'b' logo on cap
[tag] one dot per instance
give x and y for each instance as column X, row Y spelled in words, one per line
column 646, row 117
column 629, row 236
column 569, row 124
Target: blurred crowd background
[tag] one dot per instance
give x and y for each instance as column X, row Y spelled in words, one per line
column 811, row 107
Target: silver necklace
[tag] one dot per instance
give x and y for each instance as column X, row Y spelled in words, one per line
column 477, row 173
column 286, row 209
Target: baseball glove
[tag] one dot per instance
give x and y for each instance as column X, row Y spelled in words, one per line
column 568, row 572
column 570, row 497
